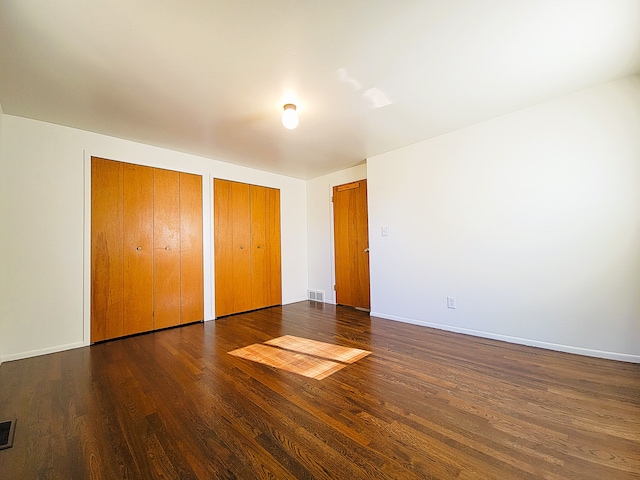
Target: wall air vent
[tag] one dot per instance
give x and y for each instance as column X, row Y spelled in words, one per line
column 316, row 295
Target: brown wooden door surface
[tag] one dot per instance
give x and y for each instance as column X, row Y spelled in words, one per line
column 247, row 247
column 232, row 243
column 191, row 262
column 351, row 241
column 259, row 259
column 273, row 286
column 241, row 247
column 166, row 251
column 106, row 249
column 138, row 249
column 223, row 247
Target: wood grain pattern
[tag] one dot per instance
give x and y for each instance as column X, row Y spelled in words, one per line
column 191, row 256
column 146, row 249
column 107, row 255
column 273, row 285
column 241, row 239
column 301, row 356
column 247, row 247
column 259, row 276
column 425, row 404
column 138, row 249
column 223, row 247
column 294, row 362
column 329, row 351
column 351, row 244
column 166, row 248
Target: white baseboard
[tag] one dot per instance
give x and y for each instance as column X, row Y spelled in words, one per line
column 623, row 357
column 43, row 351
column 294, row 300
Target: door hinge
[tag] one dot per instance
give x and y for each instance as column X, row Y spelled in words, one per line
column 334, row 287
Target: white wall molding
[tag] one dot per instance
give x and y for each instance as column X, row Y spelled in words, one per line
column 623, row 357
column 41, row 351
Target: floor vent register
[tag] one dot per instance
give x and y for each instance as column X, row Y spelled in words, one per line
column 7, row 430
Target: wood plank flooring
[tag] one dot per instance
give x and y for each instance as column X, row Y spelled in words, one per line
column 424, row 404
column 306, row 357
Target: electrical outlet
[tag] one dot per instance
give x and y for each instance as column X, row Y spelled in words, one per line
column 451, row 302
column 385, row 231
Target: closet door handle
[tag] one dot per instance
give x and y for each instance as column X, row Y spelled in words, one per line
column 167, row 247
column 138, row 248
column 258, row 246
column 241, row 247
column 366, row 250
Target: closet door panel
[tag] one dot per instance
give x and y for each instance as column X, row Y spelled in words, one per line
column 241, row 254
column 273, row 284
column 138, row 248
column 259, row 260
column 106, row 249
column 223, row 247
column 191, row 263
column 166, row 251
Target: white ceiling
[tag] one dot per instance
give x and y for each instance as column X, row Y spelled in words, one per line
column 210, row 77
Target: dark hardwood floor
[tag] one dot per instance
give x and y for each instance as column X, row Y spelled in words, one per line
column 424, row 404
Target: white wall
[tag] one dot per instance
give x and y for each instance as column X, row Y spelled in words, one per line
column 320, row 228
column 45, row 229
column 531, row 220
column 3, row 279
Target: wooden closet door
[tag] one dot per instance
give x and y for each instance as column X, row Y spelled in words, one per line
column 223, row 247
column 232, row 243
column 138, row 249
column 259, row 258
column 106, row 249
column 273, row 285
column 266, row 281
column 191, row 263
column 247, row 247
column 241, row 248
column 166, row 251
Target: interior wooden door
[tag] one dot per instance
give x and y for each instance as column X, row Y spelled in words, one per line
column 259, row 254
column 241, row 247
column 232, row 243
column 191, row 264
column 166, row 248
column 247, row 247
column 223, row 247
column 273, row 286
column 351, row 244
column 138, row 248
column 107, row 267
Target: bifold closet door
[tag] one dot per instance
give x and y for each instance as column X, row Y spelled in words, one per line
column 107, row 235
column 266, row 282
column 247, row 247
column 138, row 248
column 166, row 249
column 232, row 243
column 191, row 265
column 146, row 249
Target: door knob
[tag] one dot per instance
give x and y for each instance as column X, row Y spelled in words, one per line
column 138, row 248
column 167, row 247
column 366, row 250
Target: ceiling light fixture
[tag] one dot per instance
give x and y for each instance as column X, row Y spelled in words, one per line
column 290, row 116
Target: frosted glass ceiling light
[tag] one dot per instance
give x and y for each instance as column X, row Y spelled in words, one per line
column 290, row 116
